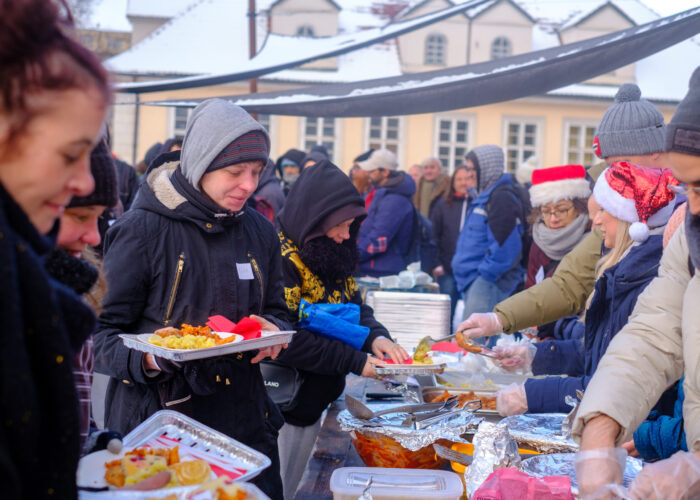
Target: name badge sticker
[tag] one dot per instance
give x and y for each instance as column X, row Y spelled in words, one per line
column 245, row 271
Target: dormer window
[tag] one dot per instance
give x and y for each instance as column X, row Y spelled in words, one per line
column 501, row 47
column 305, row 30
column 435, row 49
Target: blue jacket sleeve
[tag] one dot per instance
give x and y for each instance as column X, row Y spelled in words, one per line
column 500, row 258
column 378, row 231
column 662, row 437
column 559, row 357
column 546, row 395
column 569, row 328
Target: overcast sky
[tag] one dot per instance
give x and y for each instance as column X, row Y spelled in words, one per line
column 668, row 7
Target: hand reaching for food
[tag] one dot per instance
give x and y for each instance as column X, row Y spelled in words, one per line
column 515, row 357
column 675, row 477
column 382, row 347
column 511, row 400
column 481, row 325
column 370, row 365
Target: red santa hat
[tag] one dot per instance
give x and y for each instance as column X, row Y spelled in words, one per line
column 553, row 184
column 637, row 195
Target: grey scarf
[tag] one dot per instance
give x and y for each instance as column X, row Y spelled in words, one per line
column 556, row 243
column 692, row 233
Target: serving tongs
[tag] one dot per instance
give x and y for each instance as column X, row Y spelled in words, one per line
column 452, row 455
column 425, row 344
column 423, row 420
column 567, row 425
column 360, row 410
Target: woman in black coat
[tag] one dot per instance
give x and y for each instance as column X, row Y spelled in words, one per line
column 447, row 215
column 53, row 99
column 188, row 249
column 319, row 226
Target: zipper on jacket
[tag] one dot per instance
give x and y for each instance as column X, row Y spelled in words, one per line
column 256, row 269
column 176, row 284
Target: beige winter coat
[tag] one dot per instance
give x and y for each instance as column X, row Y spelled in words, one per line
column 659, row 344
column 564, row 294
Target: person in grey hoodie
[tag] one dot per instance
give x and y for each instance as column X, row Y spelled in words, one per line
column 188, row 249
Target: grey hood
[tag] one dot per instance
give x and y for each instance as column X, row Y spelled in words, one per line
column 489, row 163
column 213, row 125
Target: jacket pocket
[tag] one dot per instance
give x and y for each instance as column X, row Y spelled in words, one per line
column 176, row 285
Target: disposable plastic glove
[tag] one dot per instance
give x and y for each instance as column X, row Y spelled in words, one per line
column 511, row 400
column 481, row 325
column 677, row 477
column 597, row 469
column 515, row 357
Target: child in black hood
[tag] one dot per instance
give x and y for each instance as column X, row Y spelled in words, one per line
column 319, row 226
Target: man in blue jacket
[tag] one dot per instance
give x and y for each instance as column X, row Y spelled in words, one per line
column 385, row 236
column 486, row 263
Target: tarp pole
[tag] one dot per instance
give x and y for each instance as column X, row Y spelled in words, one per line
column 252, row 45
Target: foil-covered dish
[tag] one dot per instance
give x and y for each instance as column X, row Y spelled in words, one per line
column 412, row 369
column 541, row 431
column 562, row 464
column 494, row 448
column 451, row 427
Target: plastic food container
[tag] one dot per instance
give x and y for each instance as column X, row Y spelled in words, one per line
column 348, row 483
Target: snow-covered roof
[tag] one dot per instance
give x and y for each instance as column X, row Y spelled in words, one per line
column 175, row 50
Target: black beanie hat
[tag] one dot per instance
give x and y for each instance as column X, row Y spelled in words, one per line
column 106, row 189
column 683, row 131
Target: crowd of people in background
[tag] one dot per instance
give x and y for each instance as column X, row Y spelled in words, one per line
column 601, row 258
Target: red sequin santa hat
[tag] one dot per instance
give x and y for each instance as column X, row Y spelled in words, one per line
column 553, row 184
column 637, row 195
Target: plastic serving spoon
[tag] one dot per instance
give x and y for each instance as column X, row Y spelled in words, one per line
column 359, row 410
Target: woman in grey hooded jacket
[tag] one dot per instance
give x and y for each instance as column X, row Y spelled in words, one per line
column 188, row 249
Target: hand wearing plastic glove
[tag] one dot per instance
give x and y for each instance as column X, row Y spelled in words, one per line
column 481, row 325
column 597, row 469
column 675, row 478
column 511, row 400
column 515, row 357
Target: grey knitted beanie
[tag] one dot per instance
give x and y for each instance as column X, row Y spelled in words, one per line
column 683, row 134
column 631, row 126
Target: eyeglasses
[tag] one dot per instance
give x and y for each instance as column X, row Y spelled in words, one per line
column 559, row 212
column 683, row 189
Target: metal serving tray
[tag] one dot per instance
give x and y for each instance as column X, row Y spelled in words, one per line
column 415, row 369
column 430, row 392
column 252, row 491
column 139, row 342
column 167, row 428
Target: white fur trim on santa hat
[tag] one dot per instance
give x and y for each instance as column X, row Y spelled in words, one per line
column 554, row 191
column 613, row 202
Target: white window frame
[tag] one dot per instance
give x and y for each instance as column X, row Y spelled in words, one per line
column 437, row 50
column 522, row 121
column 383, row 141
column 337, row 136
column 471, row 123
column 509, row 46
column 172, row 131
column 583, row 123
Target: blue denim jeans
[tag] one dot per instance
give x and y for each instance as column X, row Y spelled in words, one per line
column 448, row 286
column 480, row 297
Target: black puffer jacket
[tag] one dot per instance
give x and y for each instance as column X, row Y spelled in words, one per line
column 169, row 261
column 323, row 363
column 446, row 217
column 42, row 325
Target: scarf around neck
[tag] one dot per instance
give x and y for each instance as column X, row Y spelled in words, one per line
column 556, row 243
column 692, row 234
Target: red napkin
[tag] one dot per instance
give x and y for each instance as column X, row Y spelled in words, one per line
column 511, row 484
column 446, row 346
column 249, row 328
column 390, row 361
column 246, row 327
column 221, row 324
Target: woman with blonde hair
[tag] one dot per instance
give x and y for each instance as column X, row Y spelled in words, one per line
column 634, row 205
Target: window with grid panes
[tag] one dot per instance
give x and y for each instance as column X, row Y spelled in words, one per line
column 180, row 117
column 384, row 133
column 305, row 30
column 501, row 47
column 435, row 49
column 319, row 130
column 452, row 141
column 579, row 144
column 520, row 142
